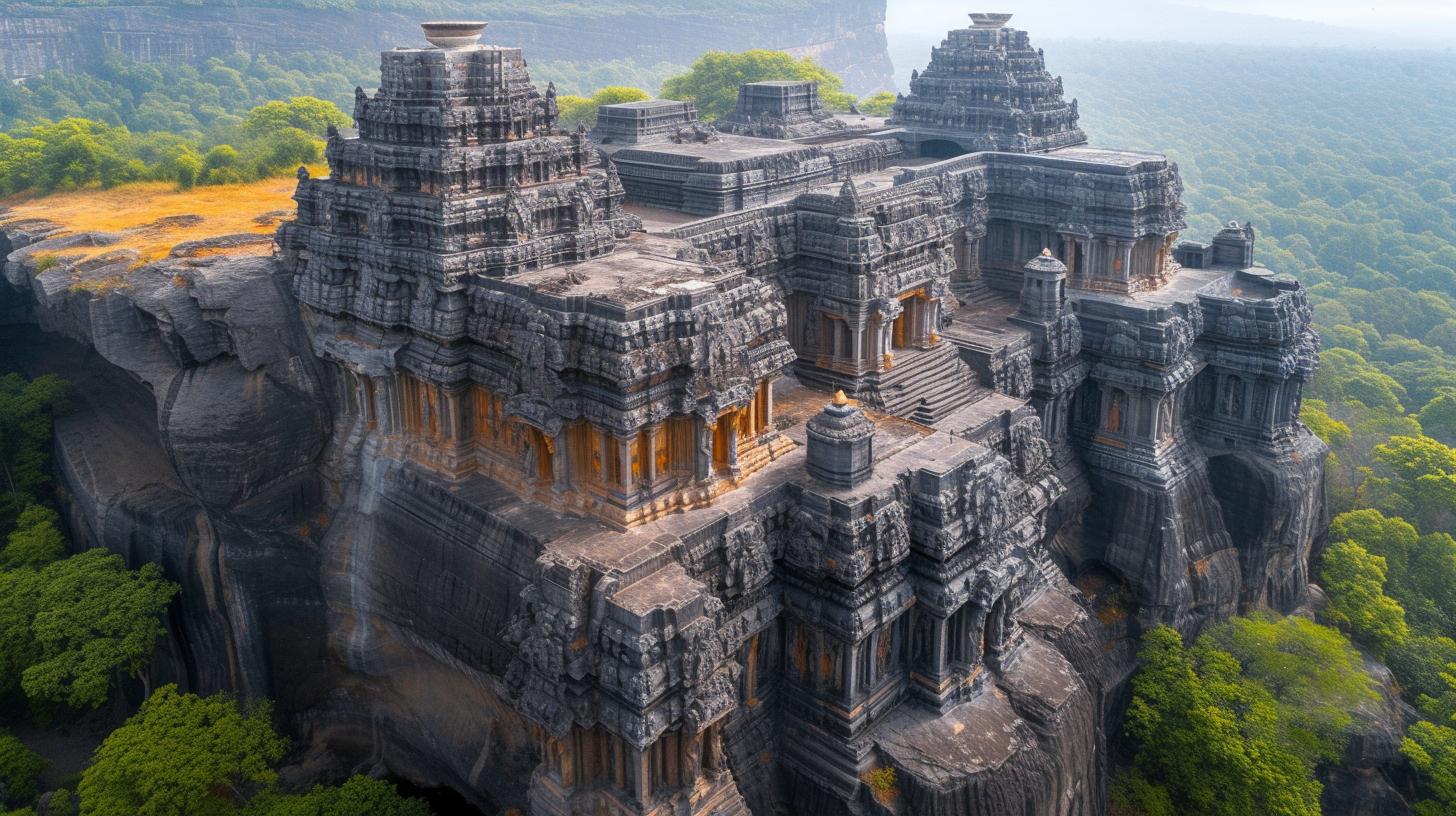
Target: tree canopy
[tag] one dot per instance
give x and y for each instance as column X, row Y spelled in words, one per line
column 180, row 755
column 712, row 81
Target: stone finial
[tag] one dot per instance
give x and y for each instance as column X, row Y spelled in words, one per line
column 841, row 444
column 453, row 33
column 984, row 20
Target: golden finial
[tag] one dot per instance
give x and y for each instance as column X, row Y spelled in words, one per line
column 840, row 398
column 1046, row 252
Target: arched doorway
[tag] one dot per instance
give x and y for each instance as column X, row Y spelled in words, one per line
column 940, row 149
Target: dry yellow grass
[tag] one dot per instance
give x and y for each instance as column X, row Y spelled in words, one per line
column 153, row 217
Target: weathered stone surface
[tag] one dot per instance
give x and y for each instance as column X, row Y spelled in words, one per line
column 493, row 489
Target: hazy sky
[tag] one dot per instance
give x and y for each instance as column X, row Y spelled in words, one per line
column 1349, row 23
column 1407, row 13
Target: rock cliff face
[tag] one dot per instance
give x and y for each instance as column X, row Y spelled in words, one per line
column 283, row 596
column 847, row 37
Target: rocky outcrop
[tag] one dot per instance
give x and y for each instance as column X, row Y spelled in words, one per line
column 846, row 37
column 283, row 595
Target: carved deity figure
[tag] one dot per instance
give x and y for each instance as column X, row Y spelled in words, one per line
column 1114, row 412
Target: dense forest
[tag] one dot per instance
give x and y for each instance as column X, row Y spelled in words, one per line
column 1344, row 163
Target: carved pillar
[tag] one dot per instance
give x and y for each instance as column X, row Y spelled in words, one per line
column 732, row 439
column 857, row 350
column 1124, row 254
column 625, row 482
column 560, row 462
column 649, row 442
column 937, row 665
column 642, row 774
column 768, row 405
column 703, row 462
column 605, row 456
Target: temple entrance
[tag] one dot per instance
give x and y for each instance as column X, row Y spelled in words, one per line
column 940, row 149
column 723, row 437
column 908, row 330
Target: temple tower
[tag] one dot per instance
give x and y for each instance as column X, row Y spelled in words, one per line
column 986, row 88
column 457, row 168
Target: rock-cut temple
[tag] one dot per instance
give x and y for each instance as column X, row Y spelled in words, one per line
column 749, row 463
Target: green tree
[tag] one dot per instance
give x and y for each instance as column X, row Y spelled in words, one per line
column 25, row 437
column 879, row 103
column 222, row 165
column 1355, row 582
column 1210, row 737
column 20, row 770
column 94, row 617
column 579, row 110
column 183, row 755
column 1420, row 480
column 1132, row 795
column 358, row 795
column 574, row 110
column 1431, row 749
column 35, row 541
column 18, row 605
column 712, row 81
column 306, row 113
column 1312, row 671
column 1438, row 417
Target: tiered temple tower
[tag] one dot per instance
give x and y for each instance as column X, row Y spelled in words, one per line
column 986, row 88
column 469, row 265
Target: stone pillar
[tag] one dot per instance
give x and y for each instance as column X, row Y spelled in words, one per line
column 604, row 449
column 1124, row 254
column 642, row 774
column 649, row 441
column 857, row 346
column 625, row 482
column 732, row 437
column 560, row 462
column 937, row 665
column 768, row 404
column 703, row 464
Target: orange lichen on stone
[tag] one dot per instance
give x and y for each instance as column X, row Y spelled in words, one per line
column 152, row 218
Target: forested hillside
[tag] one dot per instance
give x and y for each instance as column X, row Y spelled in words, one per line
column 1344, row 162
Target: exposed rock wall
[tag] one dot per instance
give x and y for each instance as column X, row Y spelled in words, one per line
column 293, row 588
column 848, row 37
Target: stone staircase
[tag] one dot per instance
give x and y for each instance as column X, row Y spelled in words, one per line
column 974, row 290
column 923, row 385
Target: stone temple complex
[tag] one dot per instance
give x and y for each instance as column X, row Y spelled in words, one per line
column 801, row 474
column 746, row 467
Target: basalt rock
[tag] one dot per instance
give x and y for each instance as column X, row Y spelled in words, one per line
column 496, row 483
